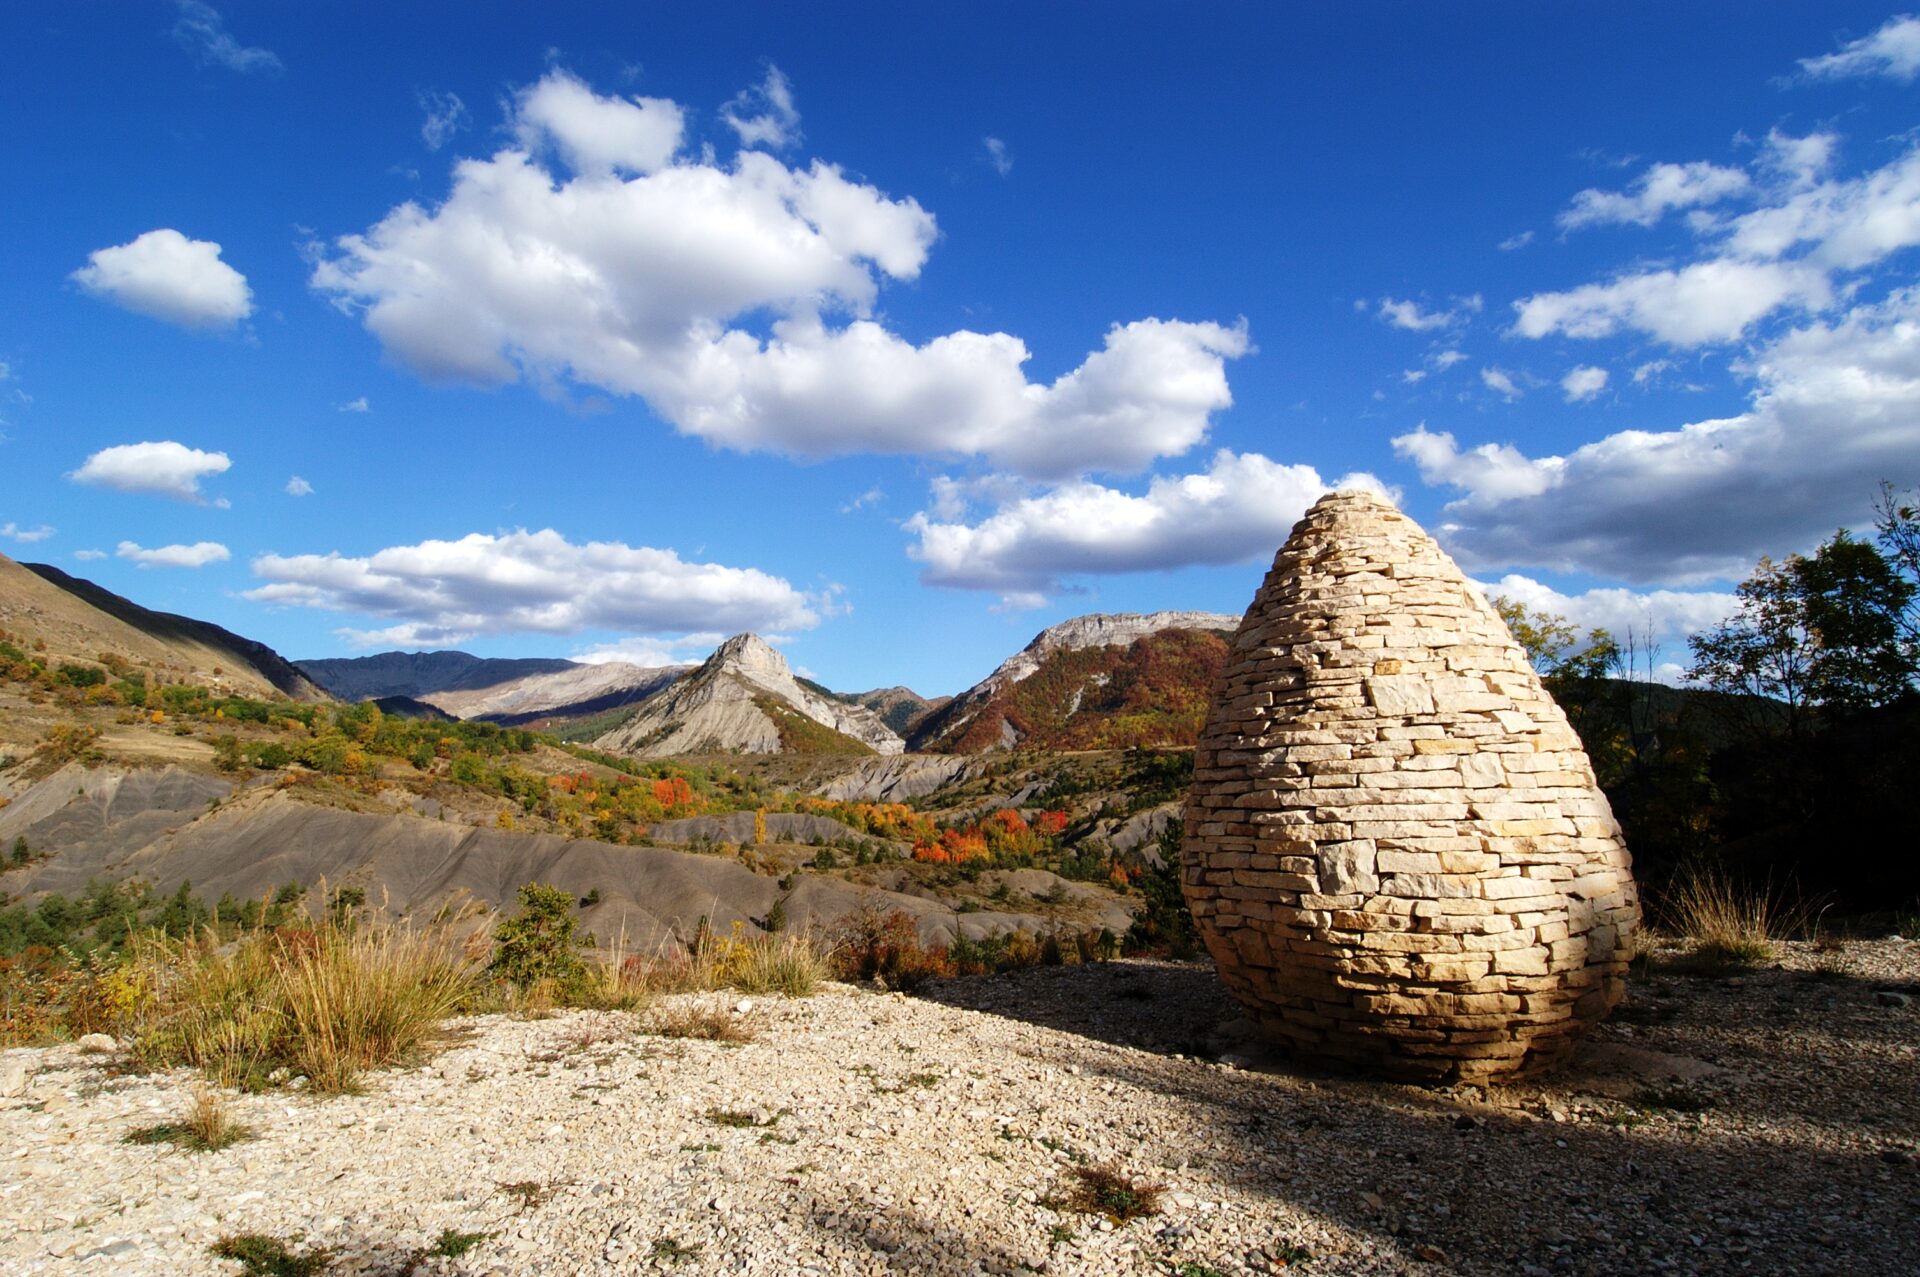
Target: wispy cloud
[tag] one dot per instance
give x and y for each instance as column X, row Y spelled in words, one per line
column 997, row 155
column 14, row 532
column 352, row 405
column 201, row 31
column 445, row 115
column 298, row 487
column 1892, row 51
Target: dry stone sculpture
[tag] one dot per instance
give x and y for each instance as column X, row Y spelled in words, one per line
column 1395, row 847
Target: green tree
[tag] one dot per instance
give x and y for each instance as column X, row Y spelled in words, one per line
column 1830, row 629
column 539, row 943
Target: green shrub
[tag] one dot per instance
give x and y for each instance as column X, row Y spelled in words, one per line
column 539, row 943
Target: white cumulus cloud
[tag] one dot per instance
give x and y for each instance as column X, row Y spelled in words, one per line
column 26, row 536
column 1240, row 508
column 197, row 555
column 597, row 135
column 163, row 468
column 1892, row 51
column 1835, row 409
column 637, row 273
column 1712, row 301
column 1668, row 617
column 1583, row 383
column 441, row 592
column 165, row 275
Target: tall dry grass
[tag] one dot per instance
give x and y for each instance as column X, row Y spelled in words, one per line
column 327, row 1004
column 1730, row 925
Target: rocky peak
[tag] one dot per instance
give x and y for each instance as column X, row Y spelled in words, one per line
column 1099, row 629
column 751, row 656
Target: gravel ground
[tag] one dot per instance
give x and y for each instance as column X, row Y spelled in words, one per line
column 1765, row 1124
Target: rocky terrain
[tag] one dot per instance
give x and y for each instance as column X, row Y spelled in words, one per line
column 744, row 699
column 1762, row 1124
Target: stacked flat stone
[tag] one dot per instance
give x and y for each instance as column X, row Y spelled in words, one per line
column 1395, row 847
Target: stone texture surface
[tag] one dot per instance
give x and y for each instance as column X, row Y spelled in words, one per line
column 1395, row 847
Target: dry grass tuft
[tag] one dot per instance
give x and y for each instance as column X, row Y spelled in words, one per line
column 1727, row 926
column 326, row 1004
column 698, row 1021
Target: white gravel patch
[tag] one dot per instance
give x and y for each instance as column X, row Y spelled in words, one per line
column 938, row 1134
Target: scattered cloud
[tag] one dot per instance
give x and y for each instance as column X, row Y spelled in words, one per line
column 1713, row 301
column 89, row 556
column 1511, row 242
column 1500, row 381
column 1446, row 359
column 165, row 275
column 1239, row 509
column 197, row 555
column 633, row 286
column 1662, row 189
column 1409, row 315
column 1892, row 51
column 165, row 469
column 997, row 155
column 688, row 649
column 445, row 114
column 1666, row 616
column 1650, row 371
column 26, row 536
column 764, row 115
column 1834, row 409
column 870, row 497
column 441, row 592
column 202, row 32
column 298, row 487
column 1583, row 383
column 352, row 405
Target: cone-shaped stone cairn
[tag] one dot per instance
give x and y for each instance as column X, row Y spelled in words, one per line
column 1395, row 847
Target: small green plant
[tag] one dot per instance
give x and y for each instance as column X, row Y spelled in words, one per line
column 1060, row 1235
column 666, row 1250
column 1109, row 1191
column 262, row 1256
column 1190, row 1268
column 453, row 1243
column 528, row 1194
column 539, row 944
column 207, row 1128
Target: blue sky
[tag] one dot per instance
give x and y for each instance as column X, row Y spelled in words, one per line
column 902, row 332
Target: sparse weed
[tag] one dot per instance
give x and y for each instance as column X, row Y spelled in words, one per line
column 262, row 1256
column 453, row 1243
column 207, row 1127
column 667, row 1250
column 1109, row 1191
column 528, row 1194
column 1673, row 1098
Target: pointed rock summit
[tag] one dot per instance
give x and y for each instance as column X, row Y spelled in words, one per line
column 1396, row 850
column 745, row 700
